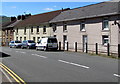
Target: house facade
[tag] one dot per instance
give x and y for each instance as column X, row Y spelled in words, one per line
column 36, row 26
column 90, row 24
column 8, row 32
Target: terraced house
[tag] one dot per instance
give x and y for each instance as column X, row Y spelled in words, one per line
column 89, row 24
column 36, row 26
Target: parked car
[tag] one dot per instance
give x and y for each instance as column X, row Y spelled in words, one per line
column 28, row 44
column 47, row 43
column 15, row 44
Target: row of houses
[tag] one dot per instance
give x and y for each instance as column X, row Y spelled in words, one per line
column 96, row 23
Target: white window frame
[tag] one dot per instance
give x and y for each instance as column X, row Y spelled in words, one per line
column 103, row 40
column 81, row 27
column 105, row 28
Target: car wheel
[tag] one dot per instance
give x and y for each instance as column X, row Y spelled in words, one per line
column 15, row 46
column 10, row 47
column 22, row 47
column 36, row 48
column 28, row 47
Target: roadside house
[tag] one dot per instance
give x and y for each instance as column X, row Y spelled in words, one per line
column 89, row 24
column 36, row 26
column 8, row 32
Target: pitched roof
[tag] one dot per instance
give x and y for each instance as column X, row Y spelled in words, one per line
column 95, row 10
column 10, row 24
column 39, row 18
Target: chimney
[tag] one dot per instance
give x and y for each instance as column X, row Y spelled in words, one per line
column 27, row 15
column 13, row 18
column 23, row 17
column 19, row 17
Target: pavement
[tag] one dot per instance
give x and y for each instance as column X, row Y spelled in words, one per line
column 59, row 66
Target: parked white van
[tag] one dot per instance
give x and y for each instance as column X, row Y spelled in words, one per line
column 47, row 43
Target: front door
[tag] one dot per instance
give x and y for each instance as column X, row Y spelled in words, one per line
column 85, row 40
column 64, row 40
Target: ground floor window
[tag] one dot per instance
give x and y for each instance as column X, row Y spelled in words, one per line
column 54, row 35
column 20, row 38
column 16, row 38
column 38, row 38
column 105, row 40
column 24, row 38
column 33, row 38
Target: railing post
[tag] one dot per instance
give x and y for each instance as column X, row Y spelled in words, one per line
column 67, row 46
column 59, row 45
column 75, row 46
column 108, row 49
column 96, row 48
column 118, row 50
column 86, row 48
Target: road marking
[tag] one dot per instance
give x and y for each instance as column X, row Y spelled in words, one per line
column 116, row 75
column 6, row 76
column 22, row 52
column 39, row 55
column 74, row 64
column 11, row 73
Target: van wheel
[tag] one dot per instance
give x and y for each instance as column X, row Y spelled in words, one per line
column 45, row 49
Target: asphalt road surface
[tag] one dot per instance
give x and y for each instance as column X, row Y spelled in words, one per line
column 56, row 66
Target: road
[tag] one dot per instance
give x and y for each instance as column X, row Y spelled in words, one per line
column 59, row 66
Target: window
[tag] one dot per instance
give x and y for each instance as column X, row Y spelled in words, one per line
column 20, row 38
column 44, row 29
column 31, row 29
column 17, row 30
column 54, row 27
column 16, row 38
column 25, row 30
column 24, row 38
column 37, row 29
column 105, row 40
column 34, row 39
column 64, row 27
column 38, row 38
column 54, row 35
column 82, row 27
column 105, row 24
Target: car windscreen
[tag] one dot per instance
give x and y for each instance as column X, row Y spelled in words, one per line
column 31, row 41
column 52, row 40
column 17, row 41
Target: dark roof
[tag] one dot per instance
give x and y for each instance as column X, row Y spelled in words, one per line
column 95, row 10
column 39, row 18
column 10, row 24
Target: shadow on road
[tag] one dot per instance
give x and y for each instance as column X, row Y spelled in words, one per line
column 2, row 55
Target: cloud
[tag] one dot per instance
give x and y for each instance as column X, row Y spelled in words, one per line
column 13, row 7
column 55, row 6
column 48, row 9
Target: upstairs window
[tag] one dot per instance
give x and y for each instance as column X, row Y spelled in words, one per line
column 64, row 27
column 82, row 26
column 17, row 31
column 54, row 27
column 31, row 29
column 25, row 30
column 44, row 29
column 37, row 29
column 105, row 24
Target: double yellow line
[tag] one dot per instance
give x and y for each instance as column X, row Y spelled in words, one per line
column 12, row 74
